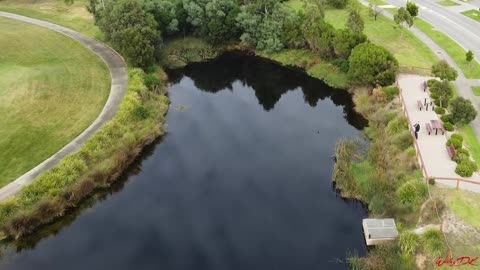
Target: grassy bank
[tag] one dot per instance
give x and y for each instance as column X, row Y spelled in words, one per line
column 74, row 16
column 472, row 70
column 471, row 141
column 409, row 51
column 51, row 89
column 472, row 14
column 98, row 164
column 313, row 65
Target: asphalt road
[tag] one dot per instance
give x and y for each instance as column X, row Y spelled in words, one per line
column 465, row 31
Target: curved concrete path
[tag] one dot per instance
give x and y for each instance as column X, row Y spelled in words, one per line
column 119, row 81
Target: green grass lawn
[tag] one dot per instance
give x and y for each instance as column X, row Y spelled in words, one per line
column 377, row 2
column 476, row 90
column 473, row 14
column 313, row 65
column 74, row 16
column 447, row 3
column 408, row 49
column 471, row 141
column 51, row 89
column 455, row 51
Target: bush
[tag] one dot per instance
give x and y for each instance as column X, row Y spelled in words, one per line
column 412, row 193
column 466, row 168
column 446, row 118
column 439, row 110
column 408, row 242
column 448, row 126
column 342, row 64
column 403, row 140
column 431, row 82
column 431, row 181
column 391, row 92
column 338, row 3
column 151, row 81
column 461, row 154
column 456, row 140
column 371, row 64
column 433, row 243
column 462, row 111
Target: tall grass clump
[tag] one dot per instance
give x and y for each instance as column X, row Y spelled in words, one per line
column 345, row 152
column 139, row 120
column 182, row 51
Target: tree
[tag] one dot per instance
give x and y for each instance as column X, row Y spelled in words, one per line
column 403, row 17
column 165, row 14
column 355, row 22
column 292, row 33
column 412, row 8
column 444, row 71
column 443, row 91
column 213, row 19
column 131, row 30
column 262, row 28
column 462, row 111
column 345, row 40
column 371, row 64
column 374, row 10
column 469, row 57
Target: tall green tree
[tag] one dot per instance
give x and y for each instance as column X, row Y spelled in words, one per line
column 213, row 19
column 132, row 31
column 403, row 17
column 165, row 14
column 371, row 64
column 412, row 9
column 469, row 57
column 262, row 28
column 444, row 71
column 462, row 111
column 355, row 22
column 345, row 40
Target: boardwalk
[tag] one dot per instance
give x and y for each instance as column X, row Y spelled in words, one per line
column 432, row 149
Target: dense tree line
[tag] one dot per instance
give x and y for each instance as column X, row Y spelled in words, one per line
column 137, row 27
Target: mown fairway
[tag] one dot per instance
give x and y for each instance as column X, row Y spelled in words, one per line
column 51, row 89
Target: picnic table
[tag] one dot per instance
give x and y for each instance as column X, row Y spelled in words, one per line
column 436, row 124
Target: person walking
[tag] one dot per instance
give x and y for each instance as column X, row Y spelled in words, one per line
column 417, row 129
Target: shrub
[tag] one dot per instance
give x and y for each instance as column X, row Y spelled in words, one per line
column 431, row 181
column 466, row 168
column 461, row 155
column 403, row 140
column 408, row 243
column 338, row 3
column 462, row 111
column 439, row 110
column 448, row 126
column 151, row 81
column 371, row 64
column 397, row 125
column 391, row 92
column 342, row 64
column 412, row 193
column 433, row 243
column 455, row 140
column 446, row 118
column 431, row 82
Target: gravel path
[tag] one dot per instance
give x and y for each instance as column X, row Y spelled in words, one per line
column 119, row 81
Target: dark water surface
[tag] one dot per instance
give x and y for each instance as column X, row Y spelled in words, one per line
column 242, row 180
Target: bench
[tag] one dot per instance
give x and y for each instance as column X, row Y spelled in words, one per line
column 442, row 129
column 429, row 128
column 451, row 151
column 420, row 105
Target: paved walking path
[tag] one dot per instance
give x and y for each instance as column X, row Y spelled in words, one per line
column 119, row 80
column 432, row 147
column 462, row 84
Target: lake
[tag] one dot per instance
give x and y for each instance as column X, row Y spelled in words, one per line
column 241, row 180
